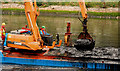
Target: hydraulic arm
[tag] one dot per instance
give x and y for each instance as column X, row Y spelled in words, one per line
column 84, row 41
column 31, row 14
column 84, row 14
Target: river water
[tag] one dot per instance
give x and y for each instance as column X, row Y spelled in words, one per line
column 103, row 31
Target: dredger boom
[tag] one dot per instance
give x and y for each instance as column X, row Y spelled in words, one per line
column 31, row 14
column 84, row 41
column 84, row 14
column 83, row 8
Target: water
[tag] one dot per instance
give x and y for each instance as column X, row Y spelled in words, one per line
column 103, row 31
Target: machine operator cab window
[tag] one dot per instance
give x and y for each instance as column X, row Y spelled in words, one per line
column 47, row 38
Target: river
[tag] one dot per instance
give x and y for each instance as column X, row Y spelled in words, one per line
column 103, row 31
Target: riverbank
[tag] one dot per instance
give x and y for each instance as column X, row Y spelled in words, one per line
column 64, row 13
column 59, row 10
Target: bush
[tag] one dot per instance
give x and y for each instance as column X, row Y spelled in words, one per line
column 5, row 2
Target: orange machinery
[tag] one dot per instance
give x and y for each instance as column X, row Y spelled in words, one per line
column 84, row 41
column 34, row 41
column 29, row 41
column 84, row 34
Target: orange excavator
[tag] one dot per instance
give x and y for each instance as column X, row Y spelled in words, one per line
column 31, row 41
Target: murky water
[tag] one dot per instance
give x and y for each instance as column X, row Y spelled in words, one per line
column 104, row 31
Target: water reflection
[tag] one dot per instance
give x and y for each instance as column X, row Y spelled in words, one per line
column 104, row 31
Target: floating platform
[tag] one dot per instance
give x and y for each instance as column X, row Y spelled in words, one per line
column 38, row 58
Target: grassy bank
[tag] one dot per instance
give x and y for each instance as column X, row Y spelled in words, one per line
column 88, row 4
column 114, row 14
column 11, row 9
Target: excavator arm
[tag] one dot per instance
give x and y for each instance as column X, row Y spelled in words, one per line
column 31, row 14
column 84, row 41
column 84, row 14
column 83, row 9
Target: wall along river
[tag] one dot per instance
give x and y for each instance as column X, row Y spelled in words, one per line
column 103, row 31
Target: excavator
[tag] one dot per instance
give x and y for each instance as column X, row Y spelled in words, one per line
column 34, row 41
column 31, row 41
